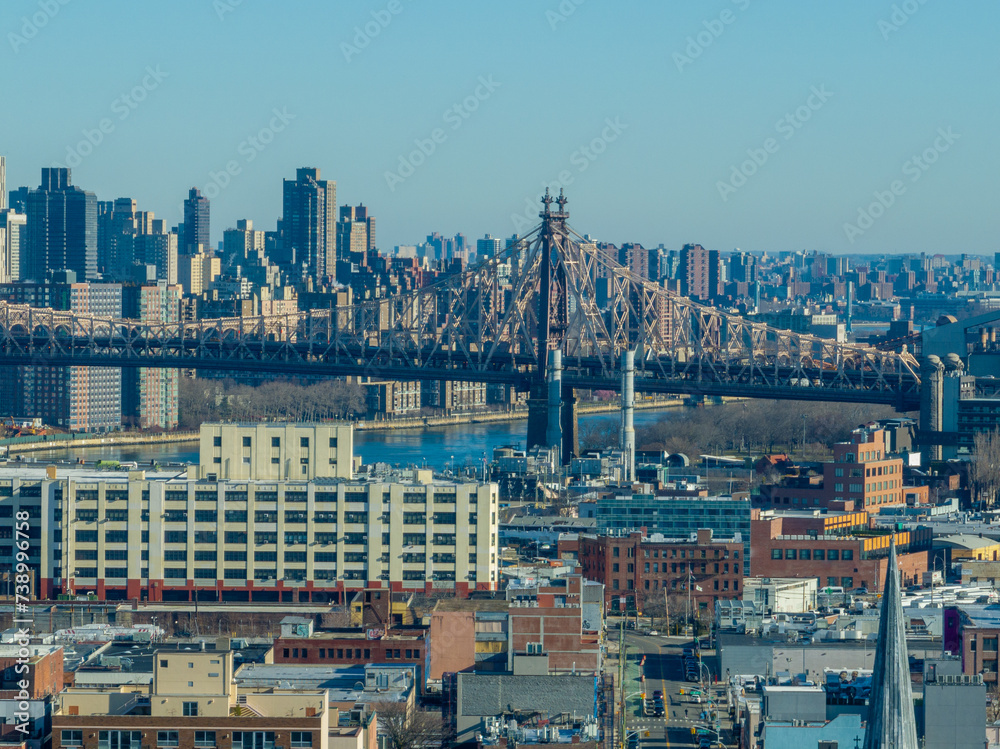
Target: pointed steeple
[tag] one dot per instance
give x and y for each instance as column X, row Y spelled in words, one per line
column 891, row 724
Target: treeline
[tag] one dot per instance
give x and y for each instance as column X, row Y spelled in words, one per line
column 279, row 400
column 750, row 427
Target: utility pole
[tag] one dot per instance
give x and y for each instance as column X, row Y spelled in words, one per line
column 666, row 610
column 621, row 683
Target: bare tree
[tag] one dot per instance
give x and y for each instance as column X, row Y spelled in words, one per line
column 405, row 726
column 993, row 702
column 984, row 469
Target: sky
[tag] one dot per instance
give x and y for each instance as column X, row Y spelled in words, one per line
column 862, row 126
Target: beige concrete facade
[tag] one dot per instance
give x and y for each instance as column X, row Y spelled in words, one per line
column 276, row 451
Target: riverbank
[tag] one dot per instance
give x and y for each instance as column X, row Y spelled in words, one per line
column 517, row 414
column 58, row 442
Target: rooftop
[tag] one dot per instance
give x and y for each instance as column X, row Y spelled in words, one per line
column 472, row 604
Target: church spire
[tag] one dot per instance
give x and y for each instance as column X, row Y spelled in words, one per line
column 891, row 724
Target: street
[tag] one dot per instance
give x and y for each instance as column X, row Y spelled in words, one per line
column 664, row 670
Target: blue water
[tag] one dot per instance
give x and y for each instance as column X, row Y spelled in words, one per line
column 435, row 447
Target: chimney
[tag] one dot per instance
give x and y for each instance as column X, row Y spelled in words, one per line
column 553, row 432
column 628, row 407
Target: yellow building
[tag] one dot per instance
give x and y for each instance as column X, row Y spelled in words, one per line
column 276, row 451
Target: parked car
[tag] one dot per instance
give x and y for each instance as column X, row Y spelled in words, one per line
column 652, row 633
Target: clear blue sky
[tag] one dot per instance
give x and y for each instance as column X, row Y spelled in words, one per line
column 684, row 121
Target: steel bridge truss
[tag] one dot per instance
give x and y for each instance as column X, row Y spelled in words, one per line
column 550, row 289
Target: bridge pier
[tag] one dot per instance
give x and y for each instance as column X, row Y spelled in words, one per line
column 932, row 404
column 552, row 417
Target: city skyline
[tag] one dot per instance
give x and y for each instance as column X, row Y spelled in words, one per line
column 801, row 124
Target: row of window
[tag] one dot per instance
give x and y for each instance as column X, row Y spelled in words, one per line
column 717, row 554
column 831, row 555
column 352, row 653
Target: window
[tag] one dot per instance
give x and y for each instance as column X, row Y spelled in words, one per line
column 789, row 553
column 119, row 739
column 190, row 709
column 819, row 554
column 72, row 738
column 775, row 553
column 167, row 738
column 205, row 555
column 614, row 567
column 216, row 441
column 833, row 555
column 204, row 738
column 803, row 554
column 847, row 582
column 253, row 739
column 304, row 442
column 303, row 738
column 246, row 442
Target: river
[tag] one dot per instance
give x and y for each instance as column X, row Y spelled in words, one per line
column 437, row 447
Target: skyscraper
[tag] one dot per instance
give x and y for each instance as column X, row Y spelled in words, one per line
column 149, row 395
column 196, row 222
column 309, row 222
column 3, row 182
column 488, row 246
column 11, row 238
column 158, row 247
column 61, row 229
column 355, row 231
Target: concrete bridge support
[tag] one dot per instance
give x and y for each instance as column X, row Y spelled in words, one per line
column 932, row 403
column 552, row 415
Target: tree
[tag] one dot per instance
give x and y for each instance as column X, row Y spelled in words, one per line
column 993, row 702
column 405, row 726
column 984, row 470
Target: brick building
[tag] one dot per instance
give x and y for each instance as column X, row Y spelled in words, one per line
column 861, row 475
column 647, row 566
column 838, row 549
column 331, row 648
column 547, row 620
column 192, row 703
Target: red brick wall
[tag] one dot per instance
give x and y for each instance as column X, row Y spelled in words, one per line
column 346, row 650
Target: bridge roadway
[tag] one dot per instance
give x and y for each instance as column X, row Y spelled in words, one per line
column 653, row 374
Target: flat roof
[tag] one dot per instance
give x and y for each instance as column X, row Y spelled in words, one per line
column 471, row 604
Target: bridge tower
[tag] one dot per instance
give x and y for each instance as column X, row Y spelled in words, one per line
column 544, row 410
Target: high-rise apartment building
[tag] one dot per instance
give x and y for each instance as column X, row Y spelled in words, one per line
column 195, row 273
column 243, row 244
column 61, row 232
column 700, row 273
column 158, row 248
column 488, row 246
column 150, row 395
column 12, row 228
column 355, row 231
column 196, row 222
column 309, row 222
